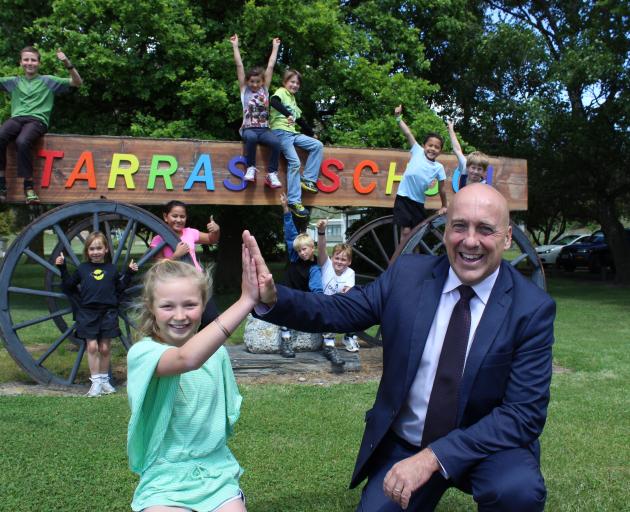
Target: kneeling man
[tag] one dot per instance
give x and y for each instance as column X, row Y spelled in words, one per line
column 466, row 366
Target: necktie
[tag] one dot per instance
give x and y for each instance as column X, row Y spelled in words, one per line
column 442, row 409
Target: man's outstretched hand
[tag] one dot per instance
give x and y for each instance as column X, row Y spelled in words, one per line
column 266, row 286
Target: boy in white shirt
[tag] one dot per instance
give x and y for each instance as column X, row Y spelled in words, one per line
column 337, row 277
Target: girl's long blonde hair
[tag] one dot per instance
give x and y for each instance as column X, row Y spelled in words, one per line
column 165, row 270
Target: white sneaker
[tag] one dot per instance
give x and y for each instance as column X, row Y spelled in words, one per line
column 351, row 343
column 272, row 181
column 329, row 342
column 107, row 388
column 95, row 389
column 250, row 174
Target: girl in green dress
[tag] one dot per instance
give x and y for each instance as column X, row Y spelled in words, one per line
column 183, row 396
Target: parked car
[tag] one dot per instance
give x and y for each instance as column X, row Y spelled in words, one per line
column 592, row 252
column 549, row 253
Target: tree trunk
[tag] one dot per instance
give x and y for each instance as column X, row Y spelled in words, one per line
column 227, row 275
column 617, row 239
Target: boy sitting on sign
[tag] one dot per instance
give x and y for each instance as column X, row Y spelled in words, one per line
column 32, row 99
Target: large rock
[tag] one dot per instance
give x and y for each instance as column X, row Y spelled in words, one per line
column 261, row 337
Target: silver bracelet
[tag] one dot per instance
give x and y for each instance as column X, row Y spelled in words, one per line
column 222, row 327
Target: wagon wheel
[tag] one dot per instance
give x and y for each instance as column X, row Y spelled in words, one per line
column 33, row 310
column 113, row 225
column 375, row 247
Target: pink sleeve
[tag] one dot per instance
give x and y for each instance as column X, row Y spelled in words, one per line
column 167, row 252
column 155, row 241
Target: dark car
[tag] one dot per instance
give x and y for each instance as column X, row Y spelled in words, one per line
column 592, row 252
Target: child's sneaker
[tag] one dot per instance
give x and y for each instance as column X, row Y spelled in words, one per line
column 272, row 181
column 250, row 174
column 3, row 194
column 309, row 186
column 298, row 210
column 31, row 196
column 351, row 343
column 95, row 389
column 107, row 388
column 333, row 356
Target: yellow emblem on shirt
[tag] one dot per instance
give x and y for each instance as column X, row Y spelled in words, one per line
column 98, row 274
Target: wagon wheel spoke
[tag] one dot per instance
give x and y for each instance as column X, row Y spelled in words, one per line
column 64, row 335
column 108, row 236
column 95, row 223
column 40, row 319
column 368, row 260
column 379, row 246
column 131, row 241
column 366, row 277
column 38, row 259
column 427, row 249
column 396, row 235
column 77, row 363
column 40, row 293
column 149, row 255
column 122, row 243
column 66, row 243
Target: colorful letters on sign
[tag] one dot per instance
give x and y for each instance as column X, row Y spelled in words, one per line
column 162, row 169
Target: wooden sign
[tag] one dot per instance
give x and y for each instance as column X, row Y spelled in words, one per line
column 154, row 171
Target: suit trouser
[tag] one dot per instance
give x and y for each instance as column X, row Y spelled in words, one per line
column 26, row 130
column 505, row 481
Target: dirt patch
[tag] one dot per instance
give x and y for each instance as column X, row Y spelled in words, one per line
column 371, row 368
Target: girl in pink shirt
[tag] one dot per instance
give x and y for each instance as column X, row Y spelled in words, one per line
column 174, row 214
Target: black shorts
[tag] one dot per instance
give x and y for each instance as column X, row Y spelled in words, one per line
column 407, row 212
column 95, row 324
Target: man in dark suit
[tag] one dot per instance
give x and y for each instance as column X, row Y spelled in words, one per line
column 466, row 366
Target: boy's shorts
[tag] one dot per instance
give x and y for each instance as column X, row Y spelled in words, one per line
column 407, row 212
column 95, row 324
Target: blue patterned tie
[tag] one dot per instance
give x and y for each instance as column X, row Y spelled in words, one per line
column 442, row 409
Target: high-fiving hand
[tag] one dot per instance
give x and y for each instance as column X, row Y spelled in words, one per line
column 266, row 287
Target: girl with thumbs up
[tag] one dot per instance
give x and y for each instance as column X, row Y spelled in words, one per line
column 174, row 214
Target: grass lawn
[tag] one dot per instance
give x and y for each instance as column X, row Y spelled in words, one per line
column 297, row 443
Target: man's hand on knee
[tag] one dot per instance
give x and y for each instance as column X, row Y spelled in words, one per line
column 408, row 475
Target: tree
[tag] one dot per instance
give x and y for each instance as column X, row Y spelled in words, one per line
column 163, row 68
column 545, row 81
column 587, row 52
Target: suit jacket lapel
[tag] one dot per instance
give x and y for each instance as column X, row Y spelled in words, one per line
column 493, row 317
column 424, row 314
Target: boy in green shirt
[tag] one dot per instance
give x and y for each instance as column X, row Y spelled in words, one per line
column 32, row 99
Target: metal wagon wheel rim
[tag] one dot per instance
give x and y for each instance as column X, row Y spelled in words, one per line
column 57, row 220
column 426, row 238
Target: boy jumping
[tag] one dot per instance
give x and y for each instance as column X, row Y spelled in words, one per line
column 474, row 168
column 421, row 170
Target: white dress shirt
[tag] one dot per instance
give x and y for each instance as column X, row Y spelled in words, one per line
column 409, row 423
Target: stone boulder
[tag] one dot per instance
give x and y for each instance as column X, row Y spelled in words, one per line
column 261, row 337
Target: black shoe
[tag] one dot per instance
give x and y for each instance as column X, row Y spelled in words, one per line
column 332, row 355
column 286, row 350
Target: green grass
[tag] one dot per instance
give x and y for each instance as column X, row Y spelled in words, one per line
column 298, row 443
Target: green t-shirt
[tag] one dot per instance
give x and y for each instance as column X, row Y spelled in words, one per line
column 34, row 97
column 278, row 121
